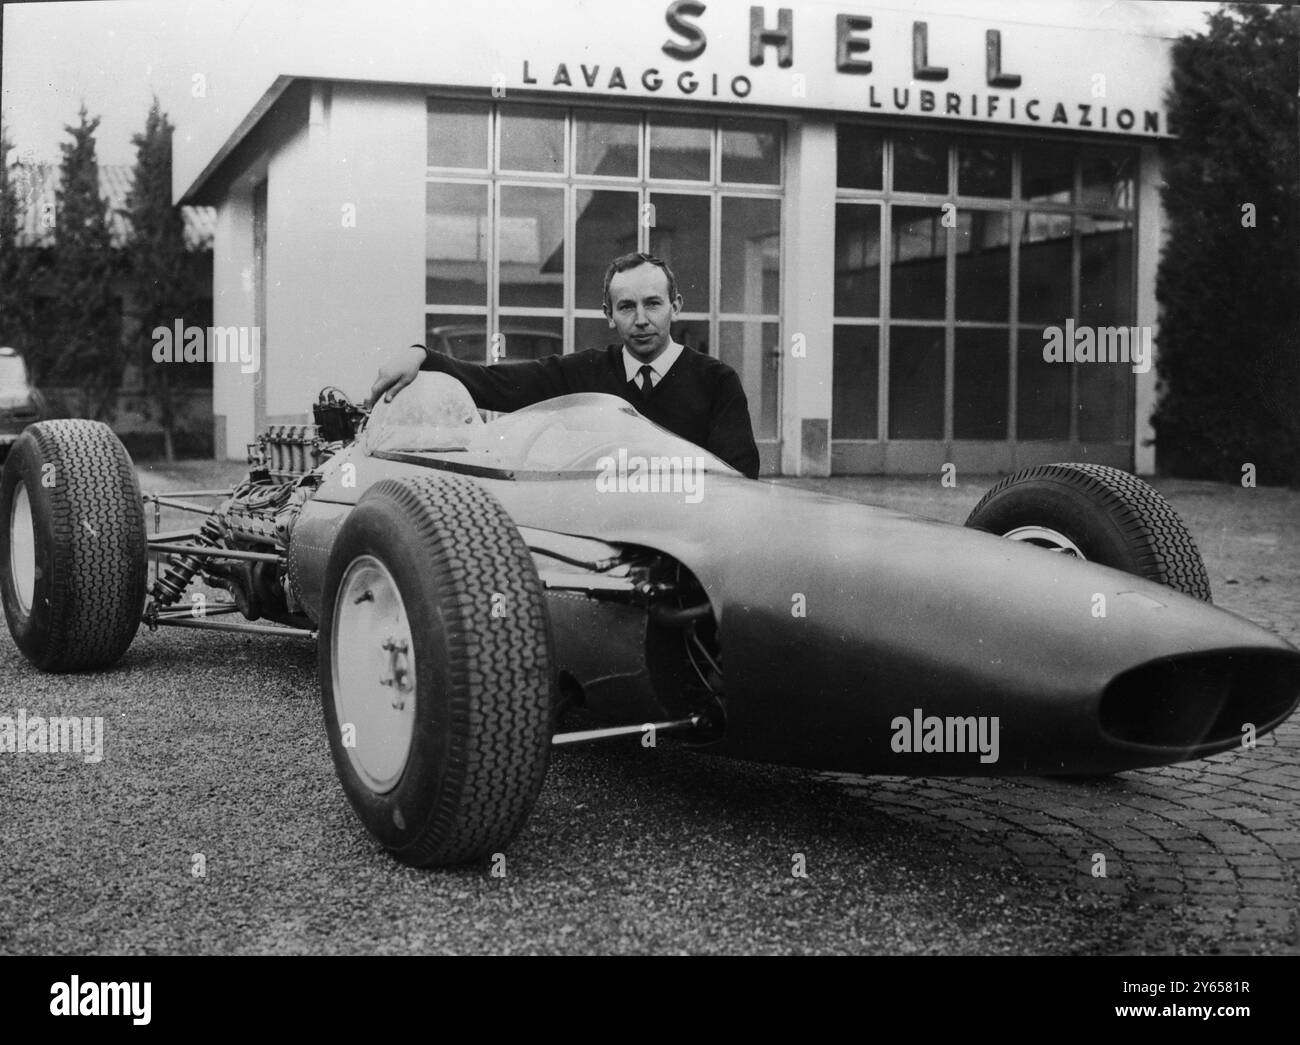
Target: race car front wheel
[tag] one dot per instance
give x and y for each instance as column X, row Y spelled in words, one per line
column 72, row 546
column 1097, row 513
column 436, row 670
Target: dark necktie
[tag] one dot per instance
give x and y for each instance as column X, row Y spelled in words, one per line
column 646, row 383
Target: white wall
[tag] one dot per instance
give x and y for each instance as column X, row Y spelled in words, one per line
column 345, row 259
column 232, row 305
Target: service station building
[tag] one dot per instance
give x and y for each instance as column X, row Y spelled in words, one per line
column 883, row 217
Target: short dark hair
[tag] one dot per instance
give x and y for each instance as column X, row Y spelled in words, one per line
column 635, row 260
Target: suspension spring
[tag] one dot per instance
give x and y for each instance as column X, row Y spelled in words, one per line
column 180, row 569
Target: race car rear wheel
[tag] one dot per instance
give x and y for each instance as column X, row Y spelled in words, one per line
column 1096, row 513
column 72, row 546
column 436, row 670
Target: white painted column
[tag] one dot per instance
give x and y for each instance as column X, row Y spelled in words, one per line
column 1149, row 237
column 808, row 287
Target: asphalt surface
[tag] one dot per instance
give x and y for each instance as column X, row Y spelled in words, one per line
column 214, row 748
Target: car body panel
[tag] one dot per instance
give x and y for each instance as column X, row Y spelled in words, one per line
column 836, row 619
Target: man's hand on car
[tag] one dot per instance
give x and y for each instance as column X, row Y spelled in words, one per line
column 398, row 370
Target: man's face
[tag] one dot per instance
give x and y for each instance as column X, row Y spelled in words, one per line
column 641, row 311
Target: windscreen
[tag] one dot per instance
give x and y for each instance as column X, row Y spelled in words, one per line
column 570, row 433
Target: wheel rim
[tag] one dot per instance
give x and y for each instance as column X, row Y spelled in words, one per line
column 22, row 548
column 372, row 662
column 1045, row 537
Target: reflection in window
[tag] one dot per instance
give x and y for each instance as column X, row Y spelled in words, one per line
column 983, row 169
column 1104, row 405
column 531, row 245
column 751, row 151
column 680, row 149
column 916, row 382
column 751, row 251
column 529, row 337
column 592, row 333
column 980, row 384
column 857, row 260
column 457, row 134
column 1042, row 391
column 1108, row 176
column 532, row 140
column 854, row 383
column 1105, row 272
column 753, row 351
column 1044, row 267
column 983, row 246
column 919, row 245
column 605, row 229
column 694, row 333
column 456, row 229
column 459, row 336
column 1047, row 173
column 607, row 144
column 680, row 235
column 920, row 162
column 859, row 157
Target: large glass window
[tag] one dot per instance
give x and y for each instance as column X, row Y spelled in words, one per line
column 526, row 205
column 993, row 244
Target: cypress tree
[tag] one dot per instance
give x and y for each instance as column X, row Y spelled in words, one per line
column 1229, row 276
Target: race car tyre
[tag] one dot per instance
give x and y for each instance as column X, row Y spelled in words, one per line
column 1100, row 514
column 72, row 546
column 436, row 670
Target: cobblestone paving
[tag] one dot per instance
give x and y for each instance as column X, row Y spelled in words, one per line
column 1210, row 850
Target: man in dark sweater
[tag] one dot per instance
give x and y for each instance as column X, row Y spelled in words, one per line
column 692, row 395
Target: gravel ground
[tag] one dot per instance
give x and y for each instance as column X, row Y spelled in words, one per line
column 214, row 748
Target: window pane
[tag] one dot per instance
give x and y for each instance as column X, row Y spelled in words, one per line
column 857, row 260
column 751, row 152
column 680, row 235
column 693, row 333
column 606, row 144
column 920, row 162
column 983, row 264
column 1047, row 173
column 980, row 384
column 463, row 337
column 529, row 337
column 984, row 170
column 606, row 228
column 1105, row 272
column 1108, row 178
column 1042, row 390
column 457, row 134
column 859, row 157
column 753, row 352
column 1044, row 267
column 530, row 242
column 680, row 149
column 1104, row 406
column 854, row 382
column 917, row 275
column 592, row 333
column 751, row 252
column 532, row 140
column 456, row 224
column 915, row 383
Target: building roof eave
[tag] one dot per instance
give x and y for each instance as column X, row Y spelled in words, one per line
column 200, row 191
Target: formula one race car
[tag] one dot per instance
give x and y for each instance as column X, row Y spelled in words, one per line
column 466, row 581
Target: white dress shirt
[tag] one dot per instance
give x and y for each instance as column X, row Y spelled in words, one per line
column 659, row 367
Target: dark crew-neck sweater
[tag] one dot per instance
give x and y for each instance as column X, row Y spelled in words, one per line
column 699, row 399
